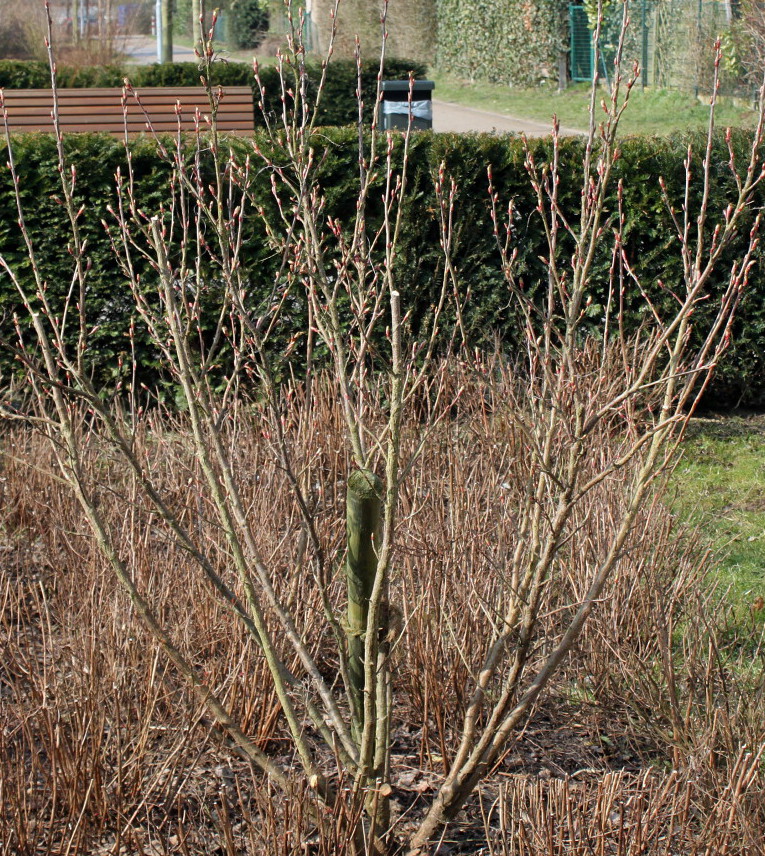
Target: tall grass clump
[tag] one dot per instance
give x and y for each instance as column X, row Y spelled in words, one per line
column 179, row 593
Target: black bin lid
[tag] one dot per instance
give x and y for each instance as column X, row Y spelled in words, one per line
column 399, row 89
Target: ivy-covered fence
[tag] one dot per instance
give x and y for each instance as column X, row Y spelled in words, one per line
column 515, row 42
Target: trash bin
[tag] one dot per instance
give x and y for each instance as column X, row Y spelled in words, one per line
column 397, row 108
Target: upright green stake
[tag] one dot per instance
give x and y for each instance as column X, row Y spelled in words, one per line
column 363, row 506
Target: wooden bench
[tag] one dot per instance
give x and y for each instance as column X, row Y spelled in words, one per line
column 102, row 109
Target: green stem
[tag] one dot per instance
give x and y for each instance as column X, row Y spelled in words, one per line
column 363, row 506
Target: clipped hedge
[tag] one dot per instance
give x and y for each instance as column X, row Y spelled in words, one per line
column 648, row 235
column 338, row 107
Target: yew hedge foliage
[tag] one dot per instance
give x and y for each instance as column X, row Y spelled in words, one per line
column 648, row 236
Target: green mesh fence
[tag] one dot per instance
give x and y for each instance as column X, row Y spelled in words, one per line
column 638, row 45
column 582, row 52
column 672, row 40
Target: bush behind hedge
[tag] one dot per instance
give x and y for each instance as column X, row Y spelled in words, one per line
column 649, row 237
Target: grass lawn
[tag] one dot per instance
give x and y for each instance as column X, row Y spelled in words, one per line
column 649, row 112
column 719, row 485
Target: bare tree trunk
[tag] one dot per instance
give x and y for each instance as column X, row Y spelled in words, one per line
column 76, row 21
column 196, row 21
column 562, row 70
column 167, row 30
column 563, row 46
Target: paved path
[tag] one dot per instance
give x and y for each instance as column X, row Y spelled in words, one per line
column 460, row 119
column 142, row 50
column 446, row 116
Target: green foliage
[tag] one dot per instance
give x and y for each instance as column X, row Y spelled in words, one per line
column 515, row 42
column 90, row 76
column 648, row 233
column 182, row 18
column 591, row 8
column 24, row 74
column 188, row 74
column 248, row 22
column 244, row 21
column 112, row 307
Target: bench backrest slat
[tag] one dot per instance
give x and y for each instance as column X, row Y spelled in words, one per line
column 103, row 109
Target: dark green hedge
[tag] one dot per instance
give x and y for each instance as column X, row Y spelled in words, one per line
column 338, row 107
column 649, row 237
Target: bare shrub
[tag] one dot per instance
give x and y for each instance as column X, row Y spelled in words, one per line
column 625, row 814
column 95, row 720
column 222, row 526
column 748, row 37
column 673, row 661
column 22, row 30
column 411, row 25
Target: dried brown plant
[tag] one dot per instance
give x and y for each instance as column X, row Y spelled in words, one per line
column 522, row 487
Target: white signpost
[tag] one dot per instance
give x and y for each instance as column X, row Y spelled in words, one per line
column 158, row 28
